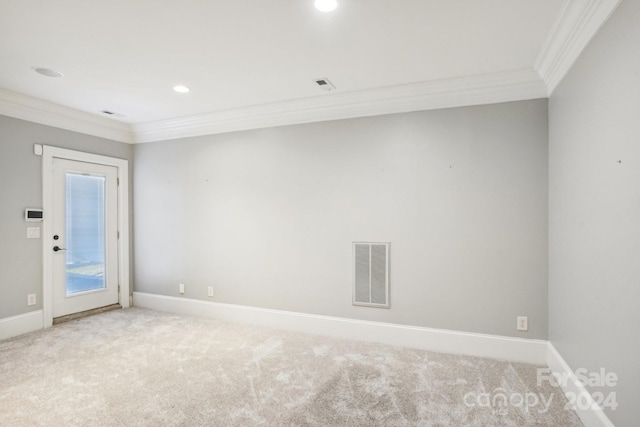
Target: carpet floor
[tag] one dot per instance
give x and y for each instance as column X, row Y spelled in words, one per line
column 137, row 367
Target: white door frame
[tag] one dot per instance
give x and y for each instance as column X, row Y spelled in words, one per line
column 48, row 154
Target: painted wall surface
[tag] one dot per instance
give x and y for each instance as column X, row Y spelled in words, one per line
column 268, row 217
column 20, row 188
column 594, row 235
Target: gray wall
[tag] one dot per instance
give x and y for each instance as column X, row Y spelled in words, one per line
column 594, row 235
column 20, row 188
column 267, row 217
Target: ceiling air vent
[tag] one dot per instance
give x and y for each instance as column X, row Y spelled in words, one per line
column 112, row 113
column 325, row 84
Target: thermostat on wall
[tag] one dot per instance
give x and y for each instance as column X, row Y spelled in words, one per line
column 33, row 215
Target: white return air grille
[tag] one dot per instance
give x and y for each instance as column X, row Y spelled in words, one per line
column 371, row 274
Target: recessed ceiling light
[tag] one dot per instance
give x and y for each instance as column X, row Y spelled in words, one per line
column 326, row 5
column 48, row 72
column 181, row 89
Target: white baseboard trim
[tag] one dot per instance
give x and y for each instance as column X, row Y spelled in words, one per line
column 439, row 340
column 21, row 324
column 590, row 413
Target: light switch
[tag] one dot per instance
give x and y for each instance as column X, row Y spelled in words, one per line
column 33, row 232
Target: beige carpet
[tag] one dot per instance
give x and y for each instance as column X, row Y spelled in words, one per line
column 137, row 367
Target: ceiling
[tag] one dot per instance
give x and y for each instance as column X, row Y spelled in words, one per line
column 253, row 63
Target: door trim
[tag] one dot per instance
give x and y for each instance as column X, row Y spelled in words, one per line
column 122, row 165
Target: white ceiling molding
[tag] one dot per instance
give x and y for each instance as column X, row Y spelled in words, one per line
column 24, row 107
column 577, row 23
column 463, row 91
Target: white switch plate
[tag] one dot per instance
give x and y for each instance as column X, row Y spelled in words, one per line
column 181, row 288
column 522, row 323
column 33, row 232
column 31, row 299
column 210, row 291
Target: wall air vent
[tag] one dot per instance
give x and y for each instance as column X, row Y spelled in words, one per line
column 371, row 274
column 324, row 84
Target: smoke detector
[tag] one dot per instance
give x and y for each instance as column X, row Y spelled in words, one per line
column 325, row 84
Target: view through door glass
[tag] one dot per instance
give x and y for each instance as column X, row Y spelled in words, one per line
column 85, row 231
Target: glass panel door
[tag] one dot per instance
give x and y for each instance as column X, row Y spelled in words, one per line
column 85, row 236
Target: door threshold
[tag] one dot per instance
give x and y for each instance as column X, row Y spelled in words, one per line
column 82, row 314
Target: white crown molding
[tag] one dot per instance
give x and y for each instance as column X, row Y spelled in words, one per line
column 448, row 93
column 457, row 92
column 577, row 23
column 439, row 340
column 24, row 107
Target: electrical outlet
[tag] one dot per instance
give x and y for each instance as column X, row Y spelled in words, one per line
column 181, row 288
column 31, row 299
column 33, row 232
column 522, row 323
column 210, row 291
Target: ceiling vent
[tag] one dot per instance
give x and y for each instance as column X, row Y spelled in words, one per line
column 325, row 84
column 112, row 113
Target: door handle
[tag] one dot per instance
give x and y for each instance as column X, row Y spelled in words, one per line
column 58, row 248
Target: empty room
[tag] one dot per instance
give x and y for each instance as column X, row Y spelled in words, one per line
column 320, row 213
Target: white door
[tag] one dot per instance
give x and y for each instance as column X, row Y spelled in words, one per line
column 85, row 236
